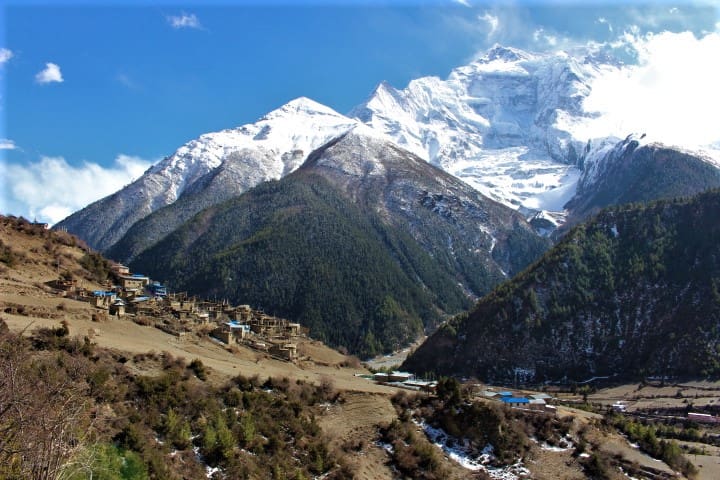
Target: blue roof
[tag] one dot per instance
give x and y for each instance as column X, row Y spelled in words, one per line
column 236, row 324
column 506, row 394
column 515, row 400
column 138, row 275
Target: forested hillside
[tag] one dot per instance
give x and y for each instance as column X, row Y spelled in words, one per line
column 633, row 292
column 301, row 251
column 365, row 244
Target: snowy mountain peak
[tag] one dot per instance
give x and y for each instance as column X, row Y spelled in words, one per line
column 504, row 123
column 382, row 87
column 265, row 150
column 506, row 54
column 287, row 134
column 302, row 106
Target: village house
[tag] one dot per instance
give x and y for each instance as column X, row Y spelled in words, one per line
column 120, row 269
column 422, row 385
column 243, row 313
column 180, row 305
column 67, row 285
column 201, row 318
column 143, row 305
column 133, row 282
column 156, row 289
column 397, row 376
column 231, row 332
column 272, row 326
column 102, row 299
column 284, row 350
column 515, row 401
column 213, row 309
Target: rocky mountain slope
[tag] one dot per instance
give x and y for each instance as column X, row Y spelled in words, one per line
column 633, row 292
column 635, row 170
column 366, row 244
column 503, row 123
column 212, row 168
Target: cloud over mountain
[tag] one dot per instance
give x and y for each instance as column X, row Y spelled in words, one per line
column 51, row 189
column 667, row 94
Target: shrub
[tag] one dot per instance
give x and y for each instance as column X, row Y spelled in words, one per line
column 198, row 368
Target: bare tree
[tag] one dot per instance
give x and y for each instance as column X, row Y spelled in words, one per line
column 44, row 410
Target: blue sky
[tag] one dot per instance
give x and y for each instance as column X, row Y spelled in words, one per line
column 102, row 90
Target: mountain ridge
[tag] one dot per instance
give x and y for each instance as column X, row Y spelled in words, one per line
column 274, row 241
column 505, row 124
column 273, row 146
column 631, row 293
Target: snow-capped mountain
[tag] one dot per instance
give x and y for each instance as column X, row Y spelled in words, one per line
column 503, row 124
column 364, row 244
column 638, row 169
column 268, row 149
column 510, row 124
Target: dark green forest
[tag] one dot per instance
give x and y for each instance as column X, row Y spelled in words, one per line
column 301, row 250
column 631, row 293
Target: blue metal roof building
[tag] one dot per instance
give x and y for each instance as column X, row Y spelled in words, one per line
column 515, row 400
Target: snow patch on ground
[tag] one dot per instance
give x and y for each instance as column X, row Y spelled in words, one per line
column 461, row 453
column 386, row 446
column 569, row 445
column 555, row 198
column 209, row 471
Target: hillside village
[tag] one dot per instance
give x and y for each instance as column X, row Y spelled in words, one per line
column 41, row 269
column 147, row 302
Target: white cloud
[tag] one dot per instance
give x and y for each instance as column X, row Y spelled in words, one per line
column 51, row 189
column 493, row 22
column 670, row 94
column 464, row 3
column 7, row 144
column 50, row 74
column 184, row 21
column 5, row 56
column 542, row 37
column 604, row 21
